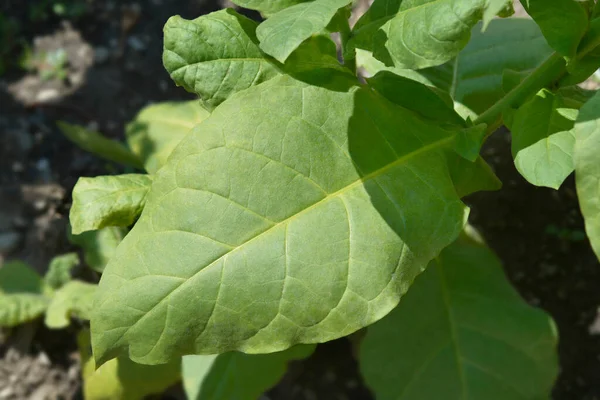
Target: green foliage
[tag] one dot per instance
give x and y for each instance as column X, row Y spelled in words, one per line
column 99, row 246
column 236, row 375
column 461, row 332
column 74, row 299
column 22, row 296
column 108, row 201
column 268, row 7
column 59, row 270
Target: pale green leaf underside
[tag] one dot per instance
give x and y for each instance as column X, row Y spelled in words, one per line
column 236, row 375
column 563, row 22
column 75, row 299
column 542, row 141
column 159, row 128
column 461, row 333
column 99, row 145
column 215, row 55
column 293, row 214
column 122, row 379
column 99, row 246
column 587, row 168
column 108, row 201
column 283, row 32
column 267, row 7
column 21, row 294
column 474, row 78
column 59, row 271
column 494, row 7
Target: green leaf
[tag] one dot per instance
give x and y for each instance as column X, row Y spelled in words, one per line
column 267, row 7
column 99, row 246
column 75, row 299
column 504, row 8
column 588, row 60
column 283, row 32
column 563, row 22
column 158, row 128
column 21, row 294
column 215, row 55
column 302, row 219
column 419, row 33
column 461, row 332
column 108, row 201
column 542, row 141
column 97, row 144
column 236, row 375
column 470, row 177
column 587, row 168
column 121, row 378
column 59, row 271
column 474, row 78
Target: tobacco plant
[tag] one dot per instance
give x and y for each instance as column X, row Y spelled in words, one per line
column 315, row 191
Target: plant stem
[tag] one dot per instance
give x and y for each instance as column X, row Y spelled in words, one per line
column 546, row 74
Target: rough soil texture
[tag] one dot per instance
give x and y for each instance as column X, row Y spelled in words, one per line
column 114, row 52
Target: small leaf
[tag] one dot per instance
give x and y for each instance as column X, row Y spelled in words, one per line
column 283, row 32
column 587, row 168
column 159, row 128
column 461, row 332
column 542, row 143
column 97, row 144
column 588, row 60
column 470, row 177
column 121, row 378
column 563, row 22
column 108, row 201
column 75, row 299
column 21, row 294
column 496, row 7
column 59, row 271
column 237, row 375
column 99, row 246
column 267, row 7
column 302, row 219
column 215, row 55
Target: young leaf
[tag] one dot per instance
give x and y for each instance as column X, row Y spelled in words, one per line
column 563, row 22
column 470, row 177
column 59, row 271
column 421, row 33
column 75, row 299
column 267, row 7
column 236, row 375
column 99, row 246
column 281, row 34
column 97, row 144
column 108, row 201
column 21, row 294
column 495, row 7
column 215, row 55
column 461, row 332
column 158, row 128
column 121, row 378
column 542, row 141
column 302, row 219
column 587, row 167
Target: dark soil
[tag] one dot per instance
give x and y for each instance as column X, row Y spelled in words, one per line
column 536, row 232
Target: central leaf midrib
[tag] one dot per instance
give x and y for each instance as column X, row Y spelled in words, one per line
column 374, row 174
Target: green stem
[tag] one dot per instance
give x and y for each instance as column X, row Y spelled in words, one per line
column 546, row 74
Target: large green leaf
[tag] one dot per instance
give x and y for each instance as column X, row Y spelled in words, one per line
column 122, row 379
column 158, row 128
column 59, row 270
column 418, row 34
column 215, row 55
column 21, row 294
column 75, row 299
column 293, row 214
column 281, row 34
column 587, row 167
column 108, row 201
column 461, row 332
column 267, row 7
column 474, row 78
column 236, row 375
column 99, row 246
column 99, row 145
column 563, row 22
column 542, row 141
